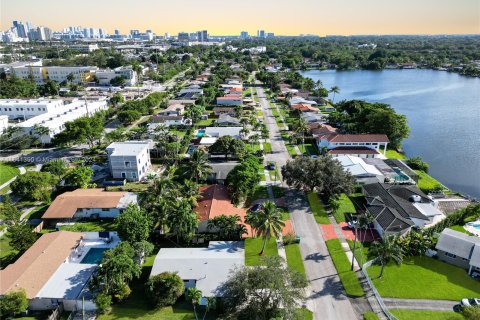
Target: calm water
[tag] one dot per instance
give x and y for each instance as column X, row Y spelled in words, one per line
column 443, row 111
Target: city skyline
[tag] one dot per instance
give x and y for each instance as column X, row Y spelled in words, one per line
column 281, row 17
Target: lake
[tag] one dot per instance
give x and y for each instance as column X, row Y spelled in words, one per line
column 443, row 112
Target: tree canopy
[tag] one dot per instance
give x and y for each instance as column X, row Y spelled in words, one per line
column 243, row 179
column 164, row 289
column 36, row 186
column 133, row 224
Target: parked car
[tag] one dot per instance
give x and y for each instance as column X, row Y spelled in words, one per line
column 256, row 207
column 470, row 302
column 271, row 165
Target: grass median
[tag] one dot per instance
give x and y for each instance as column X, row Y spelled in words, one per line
column 342, row 264
column 317, row 208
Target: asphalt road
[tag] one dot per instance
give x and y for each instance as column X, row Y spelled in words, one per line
column 326, row 297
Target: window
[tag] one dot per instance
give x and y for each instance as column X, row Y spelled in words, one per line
column 127, row 164
column 134, row 175
column 124, row 175
column 451, row 255
column 103, row 209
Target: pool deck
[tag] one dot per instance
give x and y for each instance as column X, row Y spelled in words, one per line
column 81, row 251
column 470, row 228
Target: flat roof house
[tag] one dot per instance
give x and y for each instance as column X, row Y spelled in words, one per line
column 360, row 170
column 129, row 160
column 202, row 268
column 56, row 270
column 88, row 203
column 398, row 208
column 230, row 100
column 459, row 249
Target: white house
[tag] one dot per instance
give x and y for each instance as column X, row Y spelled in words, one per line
column 168, row 121
column 359, row 169
column 459, row 249
column 300, row 100
column 173, row 110
column 55, row 121
column 88, row 204
column 57, row 268
column 26, row 109
column 377, row 142
column 202, row 268
column 129, row 159
column 126, row 72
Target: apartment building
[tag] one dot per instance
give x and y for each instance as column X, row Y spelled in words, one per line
column 42, row 74
column 105, row 76
column 129, row 160
column 26, row 109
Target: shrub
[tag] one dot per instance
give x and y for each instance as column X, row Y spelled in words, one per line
column 103, row 302
column 164, row 289
column 13, row 302
column 417, row 163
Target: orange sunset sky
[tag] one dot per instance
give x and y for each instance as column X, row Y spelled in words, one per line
column 223, row 17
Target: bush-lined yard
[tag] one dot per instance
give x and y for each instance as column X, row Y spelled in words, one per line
column 317, row 208
column 424, row 278
column 342, row 264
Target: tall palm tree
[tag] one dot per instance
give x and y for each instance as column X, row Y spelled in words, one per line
column 301, row 127
column 254, row 139
column 334, row 90
column 269, row 223
column 198, row 166
column 385, row 251
column 194, row 295
column 160, row 199
column 182, row 221
column 190, row 192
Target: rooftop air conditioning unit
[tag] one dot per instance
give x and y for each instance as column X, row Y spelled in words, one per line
column 415, row 198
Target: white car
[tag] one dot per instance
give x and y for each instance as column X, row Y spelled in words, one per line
column 470, row 302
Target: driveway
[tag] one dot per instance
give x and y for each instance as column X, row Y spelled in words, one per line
column 326, row 297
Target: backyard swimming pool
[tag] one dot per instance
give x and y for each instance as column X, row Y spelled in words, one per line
column 200, row 133
column 94, row 256
column 401, row 176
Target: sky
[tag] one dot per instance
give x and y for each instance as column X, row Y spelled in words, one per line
column 224, row 17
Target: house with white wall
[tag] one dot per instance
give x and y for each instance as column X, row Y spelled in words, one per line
column 25, row 109
column 376, row 142
column 129, row 160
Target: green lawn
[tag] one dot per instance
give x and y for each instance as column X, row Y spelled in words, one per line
column 178, row 133
column 7, row 172
column 424, row 278
column 304, row 314
column 267, row 147
column 7, row 253
column 204, row 123
column 90, row 226
column 426, row 182
column 294, row 258
column 342, row 264
column 317, row 208
column 345, row 206
column 291, row 150
column 309, row 149
column 394, row 154
column 253, row 246
column 460, row 229
column 361, row 251
column 403, row 314
column 260, row 192
column 370, row 315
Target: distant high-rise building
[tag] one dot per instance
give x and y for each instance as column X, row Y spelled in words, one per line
column 102, row 33
column 261, row 33
column 149, row 31
column 117, row 32
column 270, row 35
column 183, row 36
column 22, row 31
column 244, row 34
column 202, row 36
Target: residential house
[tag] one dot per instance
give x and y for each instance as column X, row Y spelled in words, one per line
column 224, row 110
column 88, row 204
column 213, row 133
column 459, row 249
column 126, row 72
column 185, row 102
column 360, row 151
column 230, row 100
column 377, row 142
column 300, row 100
column 129, row 160
column 314, row 117
column 220, row 171
column 203, row 268
column 398, row 208
column 226, row 120
column 168, row 121
column 57, row 268
column 303, row 107
column 362, row 171
column 173, row 110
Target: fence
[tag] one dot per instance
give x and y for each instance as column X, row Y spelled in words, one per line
column 375, row 292
column 57, row 313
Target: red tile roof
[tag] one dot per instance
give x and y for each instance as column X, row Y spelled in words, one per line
column 356, row 138
column 305, row 107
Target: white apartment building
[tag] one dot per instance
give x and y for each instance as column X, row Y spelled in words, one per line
column 105, row 76
column 55, row 121
column 58, row 74
column 26, row 109
column 129, row 160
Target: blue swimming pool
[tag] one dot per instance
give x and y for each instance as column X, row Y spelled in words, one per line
column 200, row 133
column 401, row 176
column 94, row 256
column 476, row 226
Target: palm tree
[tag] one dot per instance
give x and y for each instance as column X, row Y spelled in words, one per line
column 182, row 221
column 190, row 192
column 254, row 139
column 194, row 296
column 198, row 166
column 385, row 251
column 335, row 90
column 41, row 131
column 301, row 127
column 269, row 223
column 160, row 199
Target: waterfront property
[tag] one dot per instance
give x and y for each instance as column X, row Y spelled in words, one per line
column 459, row 249
column 129, row 160
column 56, row 269
column 376, row 142
column 88, row 204
column 398, row 208
column 362, row 171
column 202, row 268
